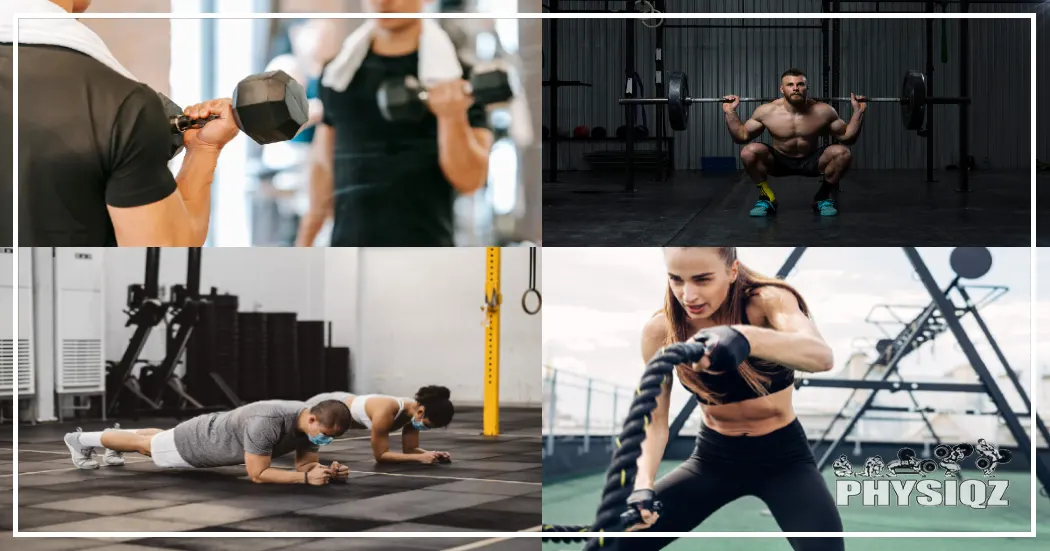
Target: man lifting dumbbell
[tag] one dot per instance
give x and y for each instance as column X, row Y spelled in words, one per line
column 393, row 182
column 795, row 122
column 94, row 143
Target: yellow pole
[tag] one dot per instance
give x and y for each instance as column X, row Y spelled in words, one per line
column 493, row 299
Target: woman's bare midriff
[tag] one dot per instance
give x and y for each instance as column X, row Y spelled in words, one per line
column 754, row 417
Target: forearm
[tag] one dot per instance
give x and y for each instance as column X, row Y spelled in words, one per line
column 279, row 476
column 736, row 128
column 798, row 351
column 853, row 128
column 194, row 182
column 464, row 161
column 394, row 457
column 320, row 207
column 306, row 467
column 414, row 450
column 652, row 453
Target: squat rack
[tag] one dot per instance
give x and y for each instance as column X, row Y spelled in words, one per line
column 831, row 30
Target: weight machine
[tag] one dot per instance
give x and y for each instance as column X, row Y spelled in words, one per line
column 158, row 390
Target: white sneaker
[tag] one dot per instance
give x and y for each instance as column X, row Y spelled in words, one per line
column 113, row 458
column 81, row 454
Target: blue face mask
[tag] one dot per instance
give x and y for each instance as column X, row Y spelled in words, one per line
column 419, row 425
column 321, row 439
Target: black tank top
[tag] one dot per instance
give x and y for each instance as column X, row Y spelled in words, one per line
column 729, row 386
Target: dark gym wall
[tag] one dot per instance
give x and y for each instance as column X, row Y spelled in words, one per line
column 1042, row 93
column 874, row 56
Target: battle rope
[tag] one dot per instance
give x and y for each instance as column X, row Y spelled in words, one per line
column 619, row 479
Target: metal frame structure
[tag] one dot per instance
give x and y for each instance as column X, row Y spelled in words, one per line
column 126, row 394
column 939, row 316
column 493, row 301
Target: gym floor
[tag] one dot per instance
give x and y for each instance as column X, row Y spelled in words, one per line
column 491, row 482
column 575, row 501
column 876, row 208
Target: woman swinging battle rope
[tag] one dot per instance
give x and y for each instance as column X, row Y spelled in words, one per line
column 735, row 340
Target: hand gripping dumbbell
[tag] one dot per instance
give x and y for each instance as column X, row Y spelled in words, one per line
column 404, row 100
column 269, row 107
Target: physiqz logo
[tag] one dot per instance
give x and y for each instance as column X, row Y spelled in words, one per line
column 937, row 482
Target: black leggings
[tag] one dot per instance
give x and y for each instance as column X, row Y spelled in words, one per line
column 777, row 468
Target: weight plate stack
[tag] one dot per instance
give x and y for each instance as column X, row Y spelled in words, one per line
column 310, row 346
column 252, row 370
column 200, row 357
column 282, row 356
column 338, row 372
column 225, row 347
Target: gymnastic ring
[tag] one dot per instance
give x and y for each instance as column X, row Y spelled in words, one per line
column 539, row 299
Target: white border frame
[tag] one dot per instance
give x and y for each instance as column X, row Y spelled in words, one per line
column 495, row 537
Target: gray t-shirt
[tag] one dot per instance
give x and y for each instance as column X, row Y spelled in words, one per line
column 259, row 428
column 337, row 395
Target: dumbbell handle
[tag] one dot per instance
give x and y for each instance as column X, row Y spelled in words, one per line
column 183, row 123
column 424, row 94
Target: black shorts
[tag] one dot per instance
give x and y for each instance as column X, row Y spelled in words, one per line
column 783, row 165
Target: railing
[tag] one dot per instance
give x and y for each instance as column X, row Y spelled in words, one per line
column 579, row 405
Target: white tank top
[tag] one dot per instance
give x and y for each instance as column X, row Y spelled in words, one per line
column 357, row 407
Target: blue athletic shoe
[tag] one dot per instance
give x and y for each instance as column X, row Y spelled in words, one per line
column 764, row 207
column 825, row 207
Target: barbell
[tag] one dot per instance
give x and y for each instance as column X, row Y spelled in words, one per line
column 913, row 100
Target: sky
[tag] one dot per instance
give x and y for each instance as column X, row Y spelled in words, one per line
column 596, row 301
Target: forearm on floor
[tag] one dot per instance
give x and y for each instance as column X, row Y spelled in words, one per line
column 279, row 476
column 305, row 468
column 394, row 457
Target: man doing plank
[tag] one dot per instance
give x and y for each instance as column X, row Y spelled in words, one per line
column 252, row 434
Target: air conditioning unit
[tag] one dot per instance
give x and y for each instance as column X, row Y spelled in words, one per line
column 80, row 321
column 18, row 354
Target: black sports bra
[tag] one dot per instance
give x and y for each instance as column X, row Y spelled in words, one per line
column 729, row 386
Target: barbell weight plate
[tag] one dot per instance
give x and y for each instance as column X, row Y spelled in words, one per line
column 913, row 92
column 677, row 92
column 173, row 111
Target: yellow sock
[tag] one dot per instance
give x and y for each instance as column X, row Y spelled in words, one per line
column 763, row 189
